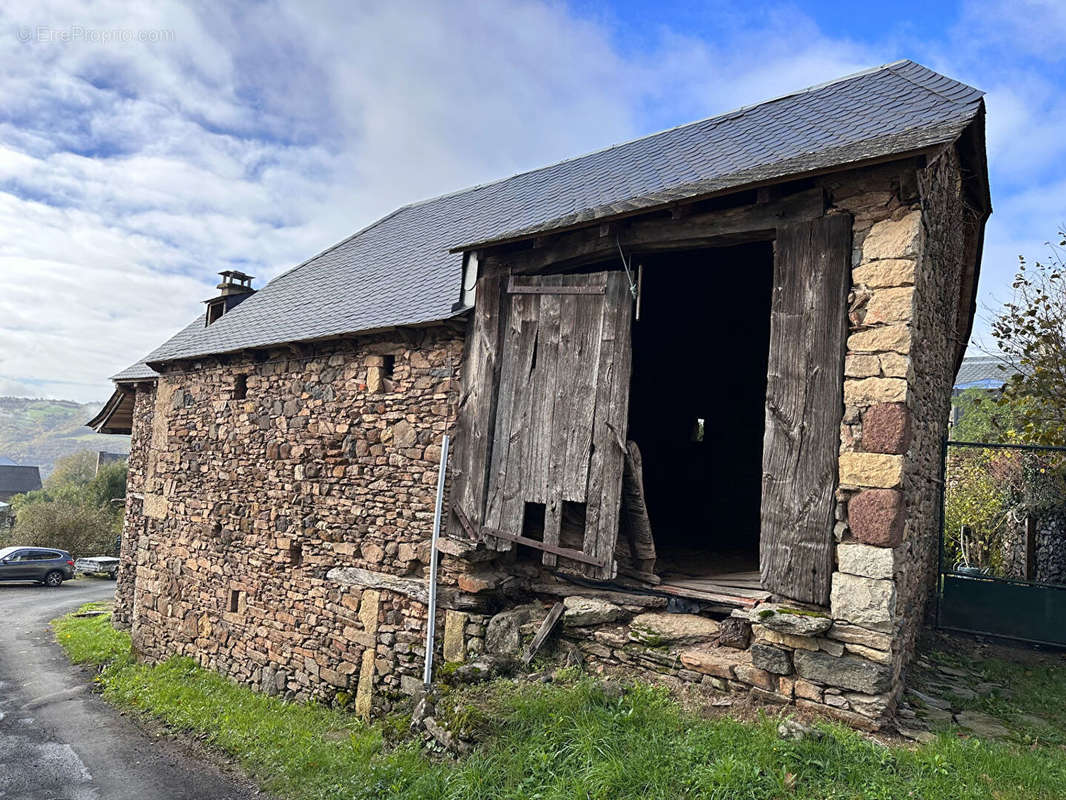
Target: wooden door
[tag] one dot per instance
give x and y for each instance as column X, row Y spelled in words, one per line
column 804, row 406
column 541, row 464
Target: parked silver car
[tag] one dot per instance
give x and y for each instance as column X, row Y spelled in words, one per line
column 45, row 565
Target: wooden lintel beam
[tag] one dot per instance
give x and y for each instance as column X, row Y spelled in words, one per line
column 744, row 223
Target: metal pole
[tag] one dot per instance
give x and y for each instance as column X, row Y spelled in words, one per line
column 431, row 625
column 943, row 521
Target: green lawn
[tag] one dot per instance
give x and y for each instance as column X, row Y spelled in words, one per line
column 570, row 740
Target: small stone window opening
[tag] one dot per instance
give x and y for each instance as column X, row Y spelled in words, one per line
column 240, row 387
column 234, row 600
column 379, row 374
column 296, row 554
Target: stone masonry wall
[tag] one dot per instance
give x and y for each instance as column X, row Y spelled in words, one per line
column 329, row 461
column 134, row 521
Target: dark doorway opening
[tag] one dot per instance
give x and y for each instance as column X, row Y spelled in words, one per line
column 697, row 408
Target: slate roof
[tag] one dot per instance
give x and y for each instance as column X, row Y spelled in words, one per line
column 16, row 480
column 982, row 372
column 141, row 371
column 401, row 270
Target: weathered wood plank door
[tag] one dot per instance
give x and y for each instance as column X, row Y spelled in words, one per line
column 804, row 405
column 553, row 432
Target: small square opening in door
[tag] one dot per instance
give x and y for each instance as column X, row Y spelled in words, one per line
column 572, row 525
column 533, row 519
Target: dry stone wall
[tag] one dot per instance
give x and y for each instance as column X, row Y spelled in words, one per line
column 134, row 520
column 329, row 460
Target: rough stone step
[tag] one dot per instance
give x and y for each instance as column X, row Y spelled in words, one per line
column 718, row 662
column 659, row 628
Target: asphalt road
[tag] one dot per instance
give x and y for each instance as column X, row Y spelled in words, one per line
column 60, row 742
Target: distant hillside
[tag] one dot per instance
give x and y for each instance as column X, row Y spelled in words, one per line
column 38, row 432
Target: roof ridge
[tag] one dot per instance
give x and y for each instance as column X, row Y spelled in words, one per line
column 927, row 88
column 653, row 134
column 722, row 115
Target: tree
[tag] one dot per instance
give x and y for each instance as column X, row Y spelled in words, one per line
column 82, row 530
column 1031, row 335
column 984, row 418
column 109, row 484
column 75, row 470
column 74, row 511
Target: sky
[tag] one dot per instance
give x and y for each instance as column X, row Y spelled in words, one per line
column 144, row 147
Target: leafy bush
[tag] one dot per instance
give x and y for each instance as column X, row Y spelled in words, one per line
column 79, row 528
column 978, row 498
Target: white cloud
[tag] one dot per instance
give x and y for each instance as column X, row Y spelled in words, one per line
column 258, row 135
column 131, row 173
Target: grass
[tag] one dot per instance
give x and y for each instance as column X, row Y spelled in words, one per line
column 570, row 740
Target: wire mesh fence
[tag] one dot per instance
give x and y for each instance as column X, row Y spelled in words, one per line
column 1003, row 541
column 1005, row 511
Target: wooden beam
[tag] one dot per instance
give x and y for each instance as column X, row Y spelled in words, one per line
column 565, row 552
column 729, row 226
column 546, row 628
column 514, row 288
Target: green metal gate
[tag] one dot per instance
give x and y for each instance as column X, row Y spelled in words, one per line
column 1002, row 560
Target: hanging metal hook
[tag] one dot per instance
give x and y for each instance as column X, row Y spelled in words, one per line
column 629, row 274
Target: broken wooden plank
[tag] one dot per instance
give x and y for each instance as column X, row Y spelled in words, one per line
column 477, row 408
column 717, row 587
column 546, row 628
column 565, row 552
column 723, row 597
column 515, row 288
column 635, row 524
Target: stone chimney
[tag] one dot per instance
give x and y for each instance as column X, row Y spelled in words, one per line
column 232, row 291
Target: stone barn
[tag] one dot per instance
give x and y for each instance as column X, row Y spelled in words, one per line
column 697, row 385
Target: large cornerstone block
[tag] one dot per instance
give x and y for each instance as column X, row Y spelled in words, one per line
column 869, row 602
column 875, row 516
column 871, row 469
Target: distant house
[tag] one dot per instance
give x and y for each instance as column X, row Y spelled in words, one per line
column 15, row 479
column 982, row 372
column 986, row 373
column 103, row 458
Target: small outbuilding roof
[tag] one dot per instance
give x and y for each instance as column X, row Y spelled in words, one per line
column 402, row 270
column 19, row 479
column 983, row 372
